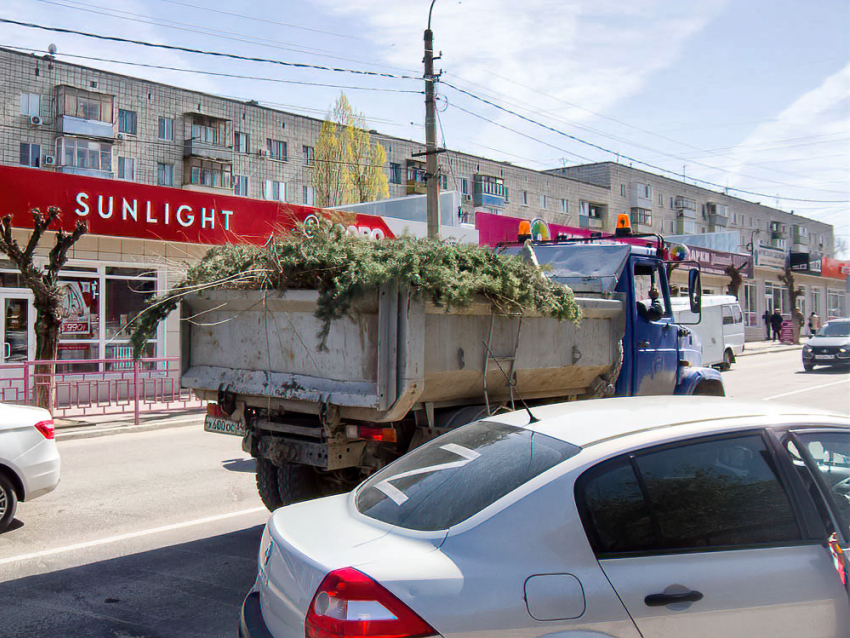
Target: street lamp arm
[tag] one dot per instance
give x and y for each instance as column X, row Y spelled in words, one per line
column 429, row 13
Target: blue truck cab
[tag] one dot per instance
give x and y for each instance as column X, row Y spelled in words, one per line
column 660, row 357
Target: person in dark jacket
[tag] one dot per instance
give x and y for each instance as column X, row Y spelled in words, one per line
column 766, row 317
column 655, row 310
column 776, row 323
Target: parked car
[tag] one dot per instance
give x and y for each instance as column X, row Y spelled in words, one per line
column 29, row 458
column 720, row 327
column 830, row 346
column 650, row 516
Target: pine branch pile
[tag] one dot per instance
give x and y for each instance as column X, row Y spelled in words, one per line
column 342, row 266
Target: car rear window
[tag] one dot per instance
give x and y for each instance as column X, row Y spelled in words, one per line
column 455, row 476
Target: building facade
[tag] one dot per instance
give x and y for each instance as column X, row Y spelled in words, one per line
column 66, row 119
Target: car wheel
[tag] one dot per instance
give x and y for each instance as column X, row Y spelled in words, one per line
column 267, row 484
column 728, row 360
column 808, row 367
column 8, row 502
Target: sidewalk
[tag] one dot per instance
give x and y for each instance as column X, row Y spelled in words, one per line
column 102, row 425
column 765, row 347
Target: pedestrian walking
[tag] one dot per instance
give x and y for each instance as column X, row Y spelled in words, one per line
column 776, row 323
column 814, row 323
column 766, row 317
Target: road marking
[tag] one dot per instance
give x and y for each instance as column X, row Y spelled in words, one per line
column 814, row 387
column 123, row 537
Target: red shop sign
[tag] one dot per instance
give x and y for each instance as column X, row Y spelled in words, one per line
column 117, row 208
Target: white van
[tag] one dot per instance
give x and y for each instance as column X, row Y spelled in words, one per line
column 720, row 328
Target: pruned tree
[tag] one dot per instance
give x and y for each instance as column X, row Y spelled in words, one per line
column 44, row 284
column 349, row 168
column 735, row 279
column 794, row 293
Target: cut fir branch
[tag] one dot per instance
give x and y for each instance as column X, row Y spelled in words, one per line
column 44, row 284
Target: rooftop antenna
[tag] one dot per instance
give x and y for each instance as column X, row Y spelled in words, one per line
column 51, row 49
column 512, row 383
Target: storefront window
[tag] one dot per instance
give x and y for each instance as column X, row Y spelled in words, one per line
column 76, row 352
column 80, row 309
column 125, row 298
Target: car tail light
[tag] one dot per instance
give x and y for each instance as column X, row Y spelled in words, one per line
column 349, row 603
column 46, row 428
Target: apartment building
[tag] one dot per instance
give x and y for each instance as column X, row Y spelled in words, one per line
column 674, row 207
column 71, row 121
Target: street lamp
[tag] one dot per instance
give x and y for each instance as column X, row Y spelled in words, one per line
column 432, row 182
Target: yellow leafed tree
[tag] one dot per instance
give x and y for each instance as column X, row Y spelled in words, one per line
column 349, row 168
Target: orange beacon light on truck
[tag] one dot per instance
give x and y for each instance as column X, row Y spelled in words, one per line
column 524, row 231
column 624, row 225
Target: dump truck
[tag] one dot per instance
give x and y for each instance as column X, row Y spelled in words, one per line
column 398, row 370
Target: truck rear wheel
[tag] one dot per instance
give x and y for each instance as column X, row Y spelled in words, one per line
column 298, row 483
column 267, row 484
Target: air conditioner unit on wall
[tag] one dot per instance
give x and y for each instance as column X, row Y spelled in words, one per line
column 35, row 120
column 467, row 198
column 49, row 160
column 120, row 136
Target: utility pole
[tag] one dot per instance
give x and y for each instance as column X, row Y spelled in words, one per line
column 432, row 180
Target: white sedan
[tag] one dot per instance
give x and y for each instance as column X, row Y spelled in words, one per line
column 29, row 459
column 640, row 517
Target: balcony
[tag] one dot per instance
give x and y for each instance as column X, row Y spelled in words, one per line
column 686, row 203
column 640, row 196
column 800, row 248
column 718, row 216
column 779, row 242
column 595, row 223
column 85, row 172
column 71, row 125
column 489, row 192
column 206, row 150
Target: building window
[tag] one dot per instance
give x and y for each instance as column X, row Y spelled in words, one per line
column 85, row 105
column 166, row 128
column 81, row 153
column 660, row 200
column 164, row 174
column 30, row 104
column 443, row 181
column 524, row 198
column 274, row 190
column 646, row 190
column 307, row 192
column 464, row 186
column 309, row 155
column 565, row 206
column 240, row 185
column 126, row 122
column 213, row 174
column 622, row 190
column 672, row 206
column 209, row 130
column 543, row 202
column 126, row 168
column 277, row 149
column 30, row 154
column 641, row 216
column 395, row 173
column 240, row 142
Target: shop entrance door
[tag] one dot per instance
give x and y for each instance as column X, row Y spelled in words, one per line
column 17, row 334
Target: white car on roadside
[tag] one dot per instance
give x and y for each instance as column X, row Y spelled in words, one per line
column 638, row 517
column 29, row 458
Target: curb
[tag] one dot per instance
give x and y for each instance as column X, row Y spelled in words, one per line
column 97, row 431
column 752, row 353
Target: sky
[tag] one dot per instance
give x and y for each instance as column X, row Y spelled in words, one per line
column 745, row 94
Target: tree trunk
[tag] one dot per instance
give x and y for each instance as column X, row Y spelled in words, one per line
column 47, row 325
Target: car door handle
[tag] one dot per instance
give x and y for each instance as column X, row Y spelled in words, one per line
column 659, row 600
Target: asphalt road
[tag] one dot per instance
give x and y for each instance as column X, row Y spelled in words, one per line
column 154, row 534
column 149, row 534
column 778, row 377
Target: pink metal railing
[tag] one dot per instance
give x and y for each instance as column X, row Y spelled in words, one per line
column 96, row 387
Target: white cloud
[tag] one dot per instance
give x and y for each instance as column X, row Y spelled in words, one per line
column 805, row 145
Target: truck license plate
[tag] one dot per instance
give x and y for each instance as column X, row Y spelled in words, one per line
column 221, row 425
column 824, row 356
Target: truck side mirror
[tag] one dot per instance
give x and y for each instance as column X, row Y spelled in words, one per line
column 695, row 291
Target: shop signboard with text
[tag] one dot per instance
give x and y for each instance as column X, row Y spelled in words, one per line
column 805, row 263
column 835, row 268
column 715, row 262
column 769, row 257
column 117, row 208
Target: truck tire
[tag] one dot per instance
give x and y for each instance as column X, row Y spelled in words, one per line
column 267, row 484
column 709, row 388
column 298, row 483
column 8, row 502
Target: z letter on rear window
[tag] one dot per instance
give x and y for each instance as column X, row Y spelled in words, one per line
column 400, row 497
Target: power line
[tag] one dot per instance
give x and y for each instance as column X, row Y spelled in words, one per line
column 219, row 54
column 221, row 74
column 626, row 157
column 196, row 28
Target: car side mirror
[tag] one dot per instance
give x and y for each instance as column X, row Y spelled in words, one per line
column 695, row 291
